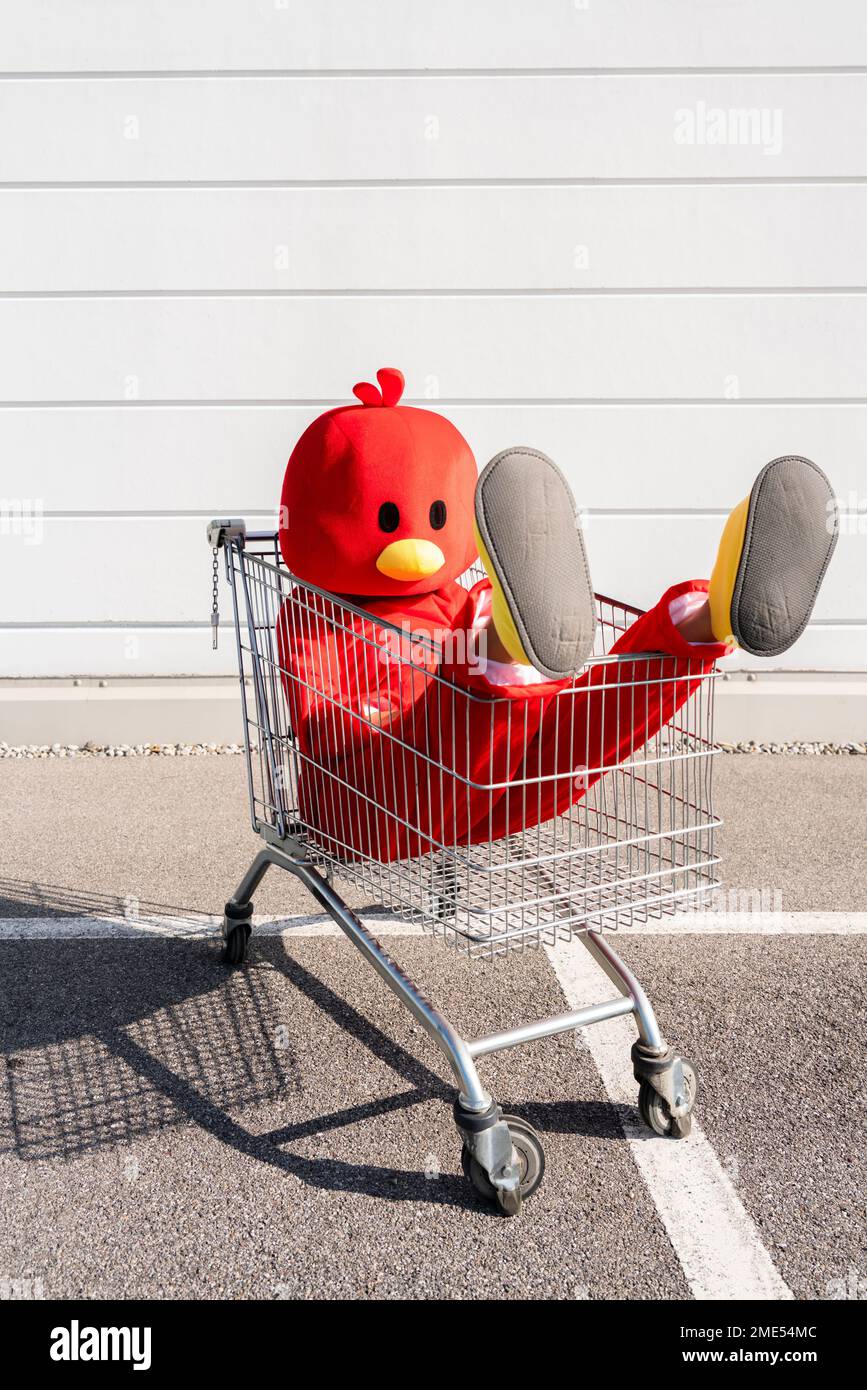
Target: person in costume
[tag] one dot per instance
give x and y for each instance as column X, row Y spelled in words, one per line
column 485, row 718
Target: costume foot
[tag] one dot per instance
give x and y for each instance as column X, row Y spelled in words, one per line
column 532, row 548
column 772, row 558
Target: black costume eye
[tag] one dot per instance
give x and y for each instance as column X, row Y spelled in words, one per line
column 389, row 517
column 437, row 515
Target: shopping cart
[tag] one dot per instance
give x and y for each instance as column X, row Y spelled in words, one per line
column 638, row 843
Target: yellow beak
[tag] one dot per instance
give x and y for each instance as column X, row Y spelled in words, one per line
column 410, row 559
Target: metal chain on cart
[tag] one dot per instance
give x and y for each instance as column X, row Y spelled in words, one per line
column 215, row 602
column 228, row 531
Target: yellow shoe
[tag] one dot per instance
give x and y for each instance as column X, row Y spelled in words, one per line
column 773, row 553
column 531, row 545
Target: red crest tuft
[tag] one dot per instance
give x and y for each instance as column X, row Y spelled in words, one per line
column 391, row 384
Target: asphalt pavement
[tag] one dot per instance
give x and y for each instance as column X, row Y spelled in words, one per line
column 173, row 1129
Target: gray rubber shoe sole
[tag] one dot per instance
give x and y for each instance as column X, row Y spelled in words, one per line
column 790, row 536
column 527, row 520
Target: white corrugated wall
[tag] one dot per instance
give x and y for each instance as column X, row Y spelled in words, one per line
column 632, row 234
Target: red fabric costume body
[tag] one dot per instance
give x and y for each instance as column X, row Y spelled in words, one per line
column 457, row 759
column 408, row 744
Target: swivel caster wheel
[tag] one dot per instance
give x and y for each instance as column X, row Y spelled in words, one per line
column 527, row 1153
column 237, row 931
column 655, row 1111
column 237, row 940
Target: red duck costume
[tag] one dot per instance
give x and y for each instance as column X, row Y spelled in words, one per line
column 400, row 757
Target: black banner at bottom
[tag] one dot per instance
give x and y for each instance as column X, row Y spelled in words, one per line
column 82, row 1338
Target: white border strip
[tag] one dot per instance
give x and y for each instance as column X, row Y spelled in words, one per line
column 86, row 928
column 714, row 1238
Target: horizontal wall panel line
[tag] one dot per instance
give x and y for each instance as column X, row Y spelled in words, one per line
column 337, row 74
column 164, row 514
column 205, row 513
column 721, row 181
column 101, row 625
column 442, row 402
column 597, row 292
column 149, row 625
column 611, row 402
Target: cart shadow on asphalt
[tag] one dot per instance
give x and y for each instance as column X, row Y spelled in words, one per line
column 110, row 1041
column 26, row 898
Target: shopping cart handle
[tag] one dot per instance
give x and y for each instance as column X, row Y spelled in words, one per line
column 222, row 531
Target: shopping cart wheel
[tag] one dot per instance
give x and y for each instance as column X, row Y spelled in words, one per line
column 237, row 929
column 655, row 1111
column 237, row 939
column 530, row 1158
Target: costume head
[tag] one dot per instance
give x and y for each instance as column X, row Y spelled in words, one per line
column 378, row 497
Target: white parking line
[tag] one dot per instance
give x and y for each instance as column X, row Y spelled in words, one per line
column 144, row 927
column 319, row 924
column 715, row 1240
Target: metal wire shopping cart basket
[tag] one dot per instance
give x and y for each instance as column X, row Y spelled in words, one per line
column 429, row 817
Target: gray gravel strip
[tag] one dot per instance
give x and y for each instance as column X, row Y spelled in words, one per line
column 793, row 748
column 119, row 750
column 197, row 750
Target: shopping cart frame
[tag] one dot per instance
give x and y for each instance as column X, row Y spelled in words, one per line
column 501, row 1154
